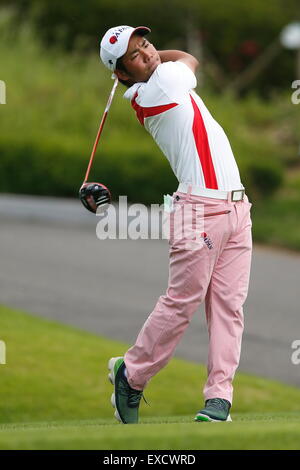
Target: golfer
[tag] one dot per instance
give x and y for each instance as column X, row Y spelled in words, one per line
column 215, row 268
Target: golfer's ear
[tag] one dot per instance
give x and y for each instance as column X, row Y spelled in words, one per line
column 121, row 75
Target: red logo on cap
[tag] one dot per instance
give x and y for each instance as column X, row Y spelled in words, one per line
column 113, row 39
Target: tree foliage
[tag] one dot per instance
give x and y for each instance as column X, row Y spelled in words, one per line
column 233, row 33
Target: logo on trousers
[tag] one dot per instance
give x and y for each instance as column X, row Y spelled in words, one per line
column 206, row 240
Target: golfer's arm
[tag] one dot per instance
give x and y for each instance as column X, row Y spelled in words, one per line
column 173, row 55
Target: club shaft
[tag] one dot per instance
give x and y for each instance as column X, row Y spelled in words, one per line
column 100, row 130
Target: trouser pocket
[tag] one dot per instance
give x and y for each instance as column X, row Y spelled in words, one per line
column 217, row 213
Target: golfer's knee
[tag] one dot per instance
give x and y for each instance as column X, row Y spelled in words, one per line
column 180, row 303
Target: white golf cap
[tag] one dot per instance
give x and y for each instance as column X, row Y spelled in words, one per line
column 115, row 41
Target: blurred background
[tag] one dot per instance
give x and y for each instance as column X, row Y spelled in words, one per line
column 52, row 264
column 56, row 90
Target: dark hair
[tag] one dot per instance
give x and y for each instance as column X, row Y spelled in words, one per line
column 121, row 66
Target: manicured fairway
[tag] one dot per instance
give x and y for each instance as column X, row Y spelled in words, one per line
column 55, row 394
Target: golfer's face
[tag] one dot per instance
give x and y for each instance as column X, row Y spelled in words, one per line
column 141, row 59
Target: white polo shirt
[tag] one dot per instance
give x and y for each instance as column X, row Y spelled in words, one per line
column 194, row 143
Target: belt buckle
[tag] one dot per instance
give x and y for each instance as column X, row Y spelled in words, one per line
column 237, row 191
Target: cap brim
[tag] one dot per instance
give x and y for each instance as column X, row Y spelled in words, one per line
column 141, row 30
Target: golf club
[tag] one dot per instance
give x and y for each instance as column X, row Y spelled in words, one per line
column 94, row 195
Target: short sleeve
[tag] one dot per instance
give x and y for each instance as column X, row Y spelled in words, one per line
column 175, row 78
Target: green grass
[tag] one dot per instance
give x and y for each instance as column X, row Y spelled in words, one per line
column 276, row 221
column 55, row 394
column 248, row 431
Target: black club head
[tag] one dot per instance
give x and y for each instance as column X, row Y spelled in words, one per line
column 94, row 195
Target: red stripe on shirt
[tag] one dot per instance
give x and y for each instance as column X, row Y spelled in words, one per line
column 143, row 113
column 203, row 149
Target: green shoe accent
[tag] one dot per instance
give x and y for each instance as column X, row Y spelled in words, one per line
column 125, row 399
column 216, row 409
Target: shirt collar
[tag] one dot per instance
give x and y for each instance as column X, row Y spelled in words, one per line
column 129, row 94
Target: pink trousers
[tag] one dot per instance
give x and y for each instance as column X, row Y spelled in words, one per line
column 216, row 269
